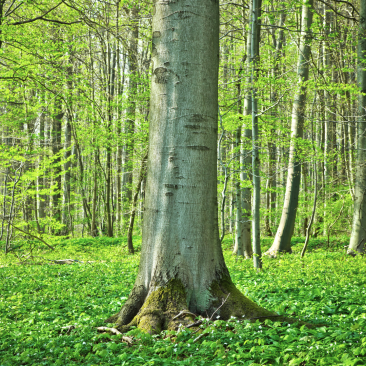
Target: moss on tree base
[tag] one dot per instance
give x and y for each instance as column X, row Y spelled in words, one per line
column 161, row 308
column 237, row 304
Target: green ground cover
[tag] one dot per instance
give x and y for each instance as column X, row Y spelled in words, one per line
column 49, row 313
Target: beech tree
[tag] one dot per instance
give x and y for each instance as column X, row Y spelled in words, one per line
column 182, row 267
column 285, row 229
column 358, row 236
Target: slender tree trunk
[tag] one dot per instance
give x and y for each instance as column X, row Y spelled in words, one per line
column 282, row 242
column 256, row 14
column 56, row 150
column 41, row 178
column 94, row 231
column 67, row 155
column 182, row 266
column 129, row 127
column 120, row 84
column 238, row 248
column 2, row 2
column 67, row 180
column 130, row 247
column 111, row 89
column 272, row 184
column 245, row 159
column 358, row 236
column 327, row 112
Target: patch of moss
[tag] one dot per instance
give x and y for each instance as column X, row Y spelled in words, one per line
column 161, row 306
column 237, row 304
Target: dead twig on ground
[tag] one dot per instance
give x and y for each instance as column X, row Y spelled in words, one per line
column 115, row 331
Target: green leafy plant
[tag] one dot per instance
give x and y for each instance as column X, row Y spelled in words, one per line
column 49, row 313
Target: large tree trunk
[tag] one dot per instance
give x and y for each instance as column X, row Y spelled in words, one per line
column 182, row 266
column 358, row 236
column 282, row 242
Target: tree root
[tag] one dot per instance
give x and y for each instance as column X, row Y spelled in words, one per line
column 166, row 308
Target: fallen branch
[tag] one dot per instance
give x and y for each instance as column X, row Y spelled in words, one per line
column 68, row 328
column 109, row 330
column 194, row 324
column 223, row 302
column 115, row 331
column 65, row 261
column 199, row 322
column 200, row 336
column 184, row 312
column 33, row 236
column 264, row 317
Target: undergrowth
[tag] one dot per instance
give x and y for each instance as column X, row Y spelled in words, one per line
column 49, row 313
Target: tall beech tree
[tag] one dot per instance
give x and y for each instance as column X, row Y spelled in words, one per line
column 282, row 242
column 182, row 266
column 358, row 236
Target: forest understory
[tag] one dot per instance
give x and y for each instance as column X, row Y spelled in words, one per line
column 49, row 313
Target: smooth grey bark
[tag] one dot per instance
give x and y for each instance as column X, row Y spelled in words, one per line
column 120, row 87
column 226, row 175
column 238, row 247
column 246, row 162
column 308, row 227
column 2, row 3
column 329, row 113
column 243, row 243
column 358, row 235
column 181, row 255
column 111, row 75
column 129, row 126
column 93, row 229
column 66, row 216
column 282, row 241
column 271, row 195
column 41, row 184
column 315, row 174
column 56, row 150
column 142, row 174
column 180, row 218
column 257, row 253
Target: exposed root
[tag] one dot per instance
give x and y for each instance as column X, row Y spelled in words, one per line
column 160, row 309
column 166, row 308
column 130, row 308
column 236, row 305
column 273, row 253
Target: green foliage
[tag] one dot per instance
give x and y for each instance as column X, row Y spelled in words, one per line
column 48, row 313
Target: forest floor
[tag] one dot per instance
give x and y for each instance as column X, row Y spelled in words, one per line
column 49, row 312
